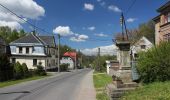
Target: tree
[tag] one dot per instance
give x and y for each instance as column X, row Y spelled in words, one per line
column 40, row 70
column 145, row 29
column 25, row 70
column 10, row 35
column 18, row 71
column 154, row 65
column 99, row 63
column 6, row 70
column 64, row 49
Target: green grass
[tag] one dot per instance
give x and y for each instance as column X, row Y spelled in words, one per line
column 102, row 96
column 154, row 91
column 100, row 81
column 13, row 82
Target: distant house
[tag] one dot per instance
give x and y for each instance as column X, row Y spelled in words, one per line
column 4, row 48
column 162, row 23
column 33, row 49
column 142, row 45
column 70, row 58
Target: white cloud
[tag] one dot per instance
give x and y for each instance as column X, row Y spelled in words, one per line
column 104, row 50
column 92, row 28
column 12, row 25
column 79, row 38
column 114, row 8
column 130, row 20
column 101, row 35
column 63, row 30
column 88, row 6
column 27, row 9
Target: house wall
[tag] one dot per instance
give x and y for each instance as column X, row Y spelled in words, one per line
column 29, row 62
column 67, row 60
column 157, row 33
column 48, row 61
column 36, row 50
column 162, row 26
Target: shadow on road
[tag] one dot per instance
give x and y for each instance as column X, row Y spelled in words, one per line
column 15, row 92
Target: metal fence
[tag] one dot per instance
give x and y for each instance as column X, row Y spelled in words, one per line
column 135, row 74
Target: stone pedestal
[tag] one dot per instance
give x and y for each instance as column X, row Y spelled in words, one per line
column 124, row 61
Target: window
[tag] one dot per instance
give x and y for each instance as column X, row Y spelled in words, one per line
column 13, row 60
column 34, row 62
column 20, row 49
column 166, row 37
column 167, row 18
column 27, row 50
column 143, row 46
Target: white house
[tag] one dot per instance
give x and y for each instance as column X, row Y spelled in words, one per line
column 142, row 45
column 68, row 60
column 33, row 49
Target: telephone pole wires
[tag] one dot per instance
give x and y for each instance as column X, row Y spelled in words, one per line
column 58, row 52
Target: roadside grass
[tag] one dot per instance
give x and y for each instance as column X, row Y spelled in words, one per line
column 13, row 82
column 100, row 81
column 153, row 91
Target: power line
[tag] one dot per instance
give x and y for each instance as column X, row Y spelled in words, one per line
column 134, row 1
column 23, row 19
column 43, row 30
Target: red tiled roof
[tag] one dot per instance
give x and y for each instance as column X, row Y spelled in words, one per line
column 71, row 54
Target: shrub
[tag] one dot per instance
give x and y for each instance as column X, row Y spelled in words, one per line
column 18, row 70
column 6, row 70
column 154, row 65
column 40, row 70
column 25, row 70
column 64, row 67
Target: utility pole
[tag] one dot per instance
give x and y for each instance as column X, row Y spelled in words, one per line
column 58, row 52
column 99, row 59
column 123, row 25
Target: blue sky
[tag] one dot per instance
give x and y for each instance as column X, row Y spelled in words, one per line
column 97, row 22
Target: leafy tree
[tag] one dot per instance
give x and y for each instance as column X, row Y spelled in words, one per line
column 145, row 29
column 65, row 48
column 154, row 65
column 99, row 63
column 10, row 35
column 25, row 70
column 18, row 70
column 6, row 70
column 64, row 67
column 40, row 70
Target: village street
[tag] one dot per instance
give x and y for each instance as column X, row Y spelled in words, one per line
column 76, row 85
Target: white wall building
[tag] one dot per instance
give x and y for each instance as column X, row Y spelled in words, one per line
column 69, row 61
column 32, row 49
column 142, row 45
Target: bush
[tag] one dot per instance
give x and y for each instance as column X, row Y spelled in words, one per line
column 6, row 70
column 64, row 67
column 18, row 70
column 154, row 65
column 25, row 70
column 40, row 70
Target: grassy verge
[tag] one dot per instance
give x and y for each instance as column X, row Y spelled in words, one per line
column 13, row 82
column 154, row 91
column 100, row 81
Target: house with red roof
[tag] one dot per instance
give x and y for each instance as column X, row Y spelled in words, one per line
column 70, row 58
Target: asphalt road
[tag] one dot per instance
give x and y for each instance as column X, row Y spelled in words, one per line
column 64, row 86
